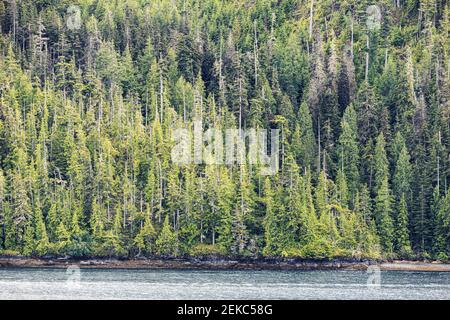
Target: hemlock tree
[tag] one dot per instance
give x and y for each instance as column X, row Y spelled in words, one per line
column 442, row 246
column 383, row 210
column 270, row 227
column 402, row 243
column 167, row 243
column 42, row 241
column 383, row 198
column 145, row 239
column 401, row 183
column 304, row 139
column 402, row 175
column 348, row 152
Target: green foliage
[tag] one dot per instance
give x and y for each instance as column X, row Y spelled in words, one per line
column 86, row 132
column 145, row 238
column 442, row 246
column 403, row 246
column 303, row 140
column 402, row 176
column 348, row 151
column 167, row 242
column 206, row 250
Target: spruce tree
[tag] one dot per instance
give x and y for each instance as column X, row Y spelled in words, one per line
column 167, row 243
column 305, row 145
column 308, row 233
column 270, row 224
column 42, row 241
column 348, row 152
column 145, row 239
column 402, row 243
column 380, row 162
column 383, row 211
column 402, row 175
column 442, row 240
column 226, row 204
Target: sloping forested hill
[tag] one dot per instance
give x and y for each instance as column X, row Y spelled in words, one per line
column 92, row 90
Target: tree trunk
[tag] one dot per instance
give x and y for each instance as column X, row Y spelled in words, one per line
column 367, row 59
column 311, row 13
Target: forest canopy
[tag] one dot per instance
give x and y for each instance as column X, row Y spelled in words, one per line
column 92, row 90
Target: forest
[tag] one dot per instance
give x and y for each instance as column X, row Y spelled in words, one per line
column 91, row 92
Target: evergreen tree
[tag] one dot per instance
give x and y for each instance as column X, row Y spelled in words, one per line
column 2, row 206
column 304, row 139
column 167, row 243
column 42, row 241
column 112, row 242
column 309, row 240
column 189, row 233
column 442, row 245
column 63, row 238
column 402, row 175
column 402, row 244
column 383, row 211
column 145, row 239
column 342, row 196
column 381, row 162
column 270, row 227
column 348, row 152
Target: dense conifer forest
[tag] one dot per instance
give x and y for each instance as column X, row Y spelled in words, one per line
column 92, row 90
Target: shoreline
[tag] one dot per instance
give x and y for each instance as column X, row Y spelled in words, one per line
column 224, row 264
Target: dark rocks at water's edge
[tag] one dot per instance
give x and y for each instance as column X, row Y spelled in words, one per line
column 214, row 263
column 190, row 263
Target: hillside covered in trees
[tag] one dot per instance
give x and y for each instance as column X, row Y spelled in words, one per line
column 91, row 91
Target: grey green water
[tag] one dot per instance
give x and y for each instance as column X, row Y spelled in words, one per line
column 83, row 284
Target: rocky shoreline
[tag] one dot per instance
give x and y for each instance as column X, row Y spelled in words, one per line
column 224, row 264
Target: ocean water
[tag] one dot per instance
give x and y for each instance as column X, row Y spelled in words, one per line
column 86, row 284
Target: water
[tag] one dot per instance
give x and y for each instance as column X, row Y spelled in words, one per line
column 45, row 283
